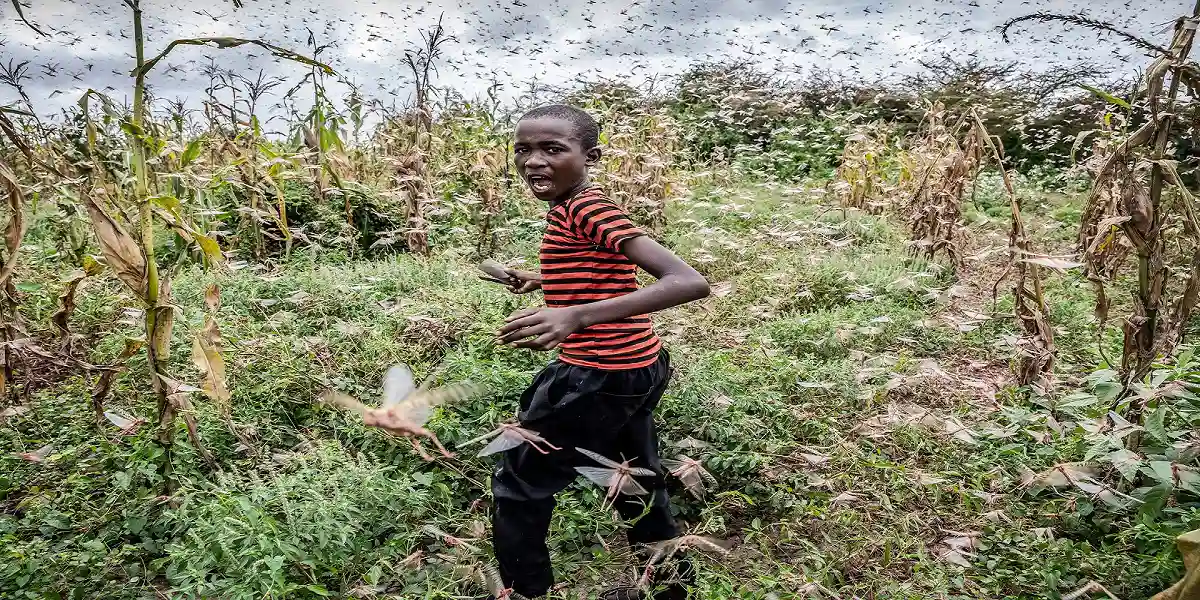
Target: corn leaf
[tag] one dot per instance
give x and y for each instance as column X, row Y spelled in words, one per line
column 66, row 303
column 229, row 42
column 123, row 254
column 164, row 321
column 1107, row 97
column 21, row 15
column 192, row 151
column 15, row 230
column 206, row 355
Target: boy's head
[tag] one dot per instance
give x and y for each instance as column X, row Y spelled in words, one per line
column 554, row 147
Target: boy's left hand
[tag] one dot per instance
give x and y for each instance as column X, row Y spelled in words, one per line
column 547, row 326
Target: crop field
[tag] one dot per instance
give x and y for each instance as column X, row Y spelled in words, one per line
column 948, row 351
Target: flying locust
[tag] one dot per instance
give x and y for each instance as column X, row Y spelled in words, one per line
column 405, row 409
column 617, row 478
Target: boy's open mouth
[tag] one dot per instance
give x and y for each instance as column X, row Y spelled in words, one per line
column 540, row 184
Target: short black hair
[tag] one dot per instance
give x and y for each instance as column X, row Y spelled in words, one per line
column 585, row 126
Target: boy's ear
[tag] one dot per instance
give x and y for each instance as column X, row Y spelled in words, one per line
column 592, row 156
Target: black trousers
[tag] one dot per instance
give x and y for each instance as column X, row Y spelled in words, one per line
column 609, row 412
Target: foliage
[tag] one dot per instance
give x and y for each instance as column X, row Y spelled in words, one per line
column 853, row 401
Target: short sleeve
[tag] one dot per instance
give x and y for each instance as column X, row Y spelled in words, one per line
column 602, row 222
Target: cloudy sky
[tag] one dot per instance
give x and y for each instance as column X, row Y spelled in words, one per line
column 514, row 42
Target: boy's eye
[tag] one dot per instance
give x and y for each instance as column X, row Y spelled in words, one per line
column 553, row 150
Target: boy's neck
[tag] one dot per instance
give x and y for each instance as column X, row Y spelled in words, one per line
column 575, row 191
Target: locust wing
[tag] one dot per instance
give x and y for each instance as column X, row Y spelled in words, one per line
column 495, row 270
column 418, row 407
column 345, row 401
column 612, row 464
column 397, row 385
column 630, row 487
column 507, row 440
column 598, row 476
column 118, row 419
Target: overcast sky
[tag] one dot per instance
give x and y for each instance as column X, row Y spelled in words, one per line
column 514, row 42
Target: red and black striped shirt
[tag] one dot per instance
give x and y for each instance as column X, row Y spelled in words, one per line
column 581, row 262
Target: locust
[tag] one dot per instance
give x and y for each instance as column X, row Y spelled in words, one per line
column 496, row 273
column 37, row 456
column 405, row 410
column 662, row 551
column 691, row 472
column 508, row 436
column 123, row 422
column 450, row 540
column 617, row 478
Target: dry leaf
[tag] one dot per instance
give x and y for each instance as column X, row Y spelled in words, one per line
column 123, row 254
column 206, row 355
column 66, row 303
column 15, row 230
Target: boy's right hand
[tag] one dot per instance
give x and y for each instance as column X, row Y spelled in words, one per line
column 524, row 281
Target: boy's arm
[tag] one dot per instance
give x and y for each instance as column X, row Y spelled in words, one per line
column 678, row 283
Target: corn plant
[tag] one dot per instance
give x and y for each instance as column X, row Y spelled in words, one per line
column 413, row 169
column 1130, row 199
column 133, row 259
column 1036, row 345
column 14, row 231
column 860, row 180
column 937, row 167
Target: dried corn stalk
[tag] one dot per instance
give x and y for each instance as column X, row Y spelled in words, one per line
column 405, row 143
column 487, row 170
column 638, row 165
column 1036, row 344
column 859, row 181
column 1122, row 200
column 13, row 233
column 940, row 165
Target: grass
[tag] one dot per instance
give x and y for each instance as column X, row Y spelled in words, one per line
column 822, row 321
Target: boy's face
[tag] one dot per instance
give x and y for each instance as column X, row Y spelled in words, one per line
column 551, row 158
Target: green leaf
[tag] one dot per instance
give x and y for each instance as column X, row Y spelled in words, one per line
column 1107, row 390
column 1126, row 462
column 1078, row 400
column 1184, row 360
column 135, row 524
column 132, row 129
column 26, row 286
column 1161, row 471
column 1153, row 499
column 1107, row 97
column 170, row 203
column 210, row 248
column 192, row 151
column 1156, row 424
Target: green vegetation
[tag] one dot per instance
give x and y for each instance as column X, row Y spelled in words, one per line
column 865, row 402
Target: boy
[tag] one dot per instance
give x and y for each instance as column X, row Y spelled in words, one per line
column 601, row 391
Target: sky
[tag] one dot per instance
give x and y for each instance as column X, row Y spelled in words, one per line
column 517, row 42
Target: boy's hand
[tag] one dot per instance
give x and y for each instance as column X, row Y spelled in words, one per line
column 520, row 282
column 547, row 326
column 526, row 281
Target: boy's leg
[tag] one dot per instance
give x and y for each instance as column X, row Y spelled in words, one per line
column 519, row 531
column 639, row 438
column 651, row 514
column 568, row 407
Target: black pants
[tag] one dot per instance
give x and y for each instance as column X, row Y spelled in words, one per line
column 609, row 412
